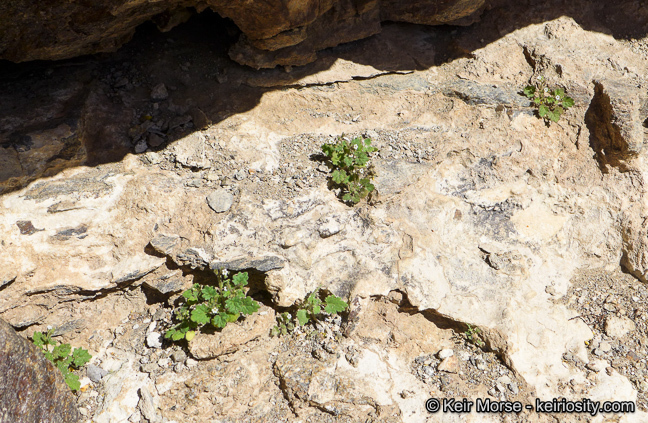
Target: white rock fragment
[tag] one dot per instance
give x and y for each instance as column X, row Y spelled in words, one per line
column 154, row 340
column 445, row 353
column 618, row 327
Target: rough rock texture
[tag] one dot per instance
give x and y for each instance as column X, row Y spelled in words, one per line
column 277, row 32
column 484, row 217
column 31, row 388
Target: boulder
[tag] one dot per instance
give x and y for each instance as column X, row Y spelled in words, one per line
column 276, row 32
column 31, row 388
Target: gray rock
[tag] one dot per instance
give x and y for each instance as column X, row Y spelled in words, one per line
column 159, row 92
column 220, row 200
column 262, row 264
column 31, row 388
column 168, row 284
column 163, row 244
column 141, row 146
column 95, row 373
column 329, row 228
column 146, row 405
column 179, row 356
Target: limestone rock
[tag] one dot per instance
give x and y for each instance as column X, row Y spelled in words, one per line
column 233, row 336
column 274, row 32
column 31, row 388
column 220, row 200
column 618, row 327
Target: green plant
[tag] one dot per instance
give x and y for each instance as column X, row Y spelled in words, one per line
column 308, row 311
column 473, row 335
column 63, row 357
column 348, row 161
column 215, row 306
column 551, row 104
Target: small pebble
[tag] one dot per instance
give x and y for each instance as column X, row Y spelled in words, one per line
column 154, row 340
column 445, row 353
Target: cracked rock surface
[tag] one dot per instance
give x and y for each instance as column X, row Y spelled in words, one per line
column 500, row 257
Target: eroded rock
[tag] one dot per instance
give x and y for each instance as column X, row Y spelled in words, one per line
column 274, row 33
column 31, row 388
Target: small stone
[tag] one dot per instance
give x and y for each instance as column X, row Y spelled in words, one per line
column 220, row 200
column 445, row 353
column 154, row 140
column 163, row 362
column 618, row 327
column 191, row 362
column 609, row 307
column 598, row 352
column 463, row 355
column 514, row 388
column 605, row 346
column 597, row 365
column 449, row 365
column 480, row 363
column 329, row 228
column 179, row 356
column 159, row 92
column 239, row 176
column 149, row 368
column 596, row 341
column 154, row 340
column 146, row 406
column 121, row 82
column 95, row 373
column 141, row 147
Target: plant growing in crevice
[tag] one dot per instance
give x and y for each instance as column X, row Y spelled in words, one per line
column 551, row 103
column 212, row 306
column 473, row 335
column 308, row 311
column 63, row 357
column 348, row 161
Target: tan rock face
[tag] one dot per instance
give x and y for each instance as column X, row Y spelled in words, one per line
column 482, row 218
column 277, row 32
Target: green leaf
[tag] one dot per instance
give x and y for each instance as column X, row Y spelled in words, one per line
column 340, row 177
column 529, row 91
column 80, row 357
column 335, row 304
column 543, row 110
column 62, row 350
column 240, row 279
column 208, row 293
column 220, row 320
column 249, row 306
column 200, row 314
column 72, row 381
column 191, row 294
column 176, row 336
column 38, row 338
column 190, row 335
column 568, row 102
column 302, row 317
